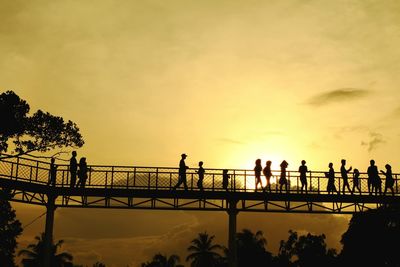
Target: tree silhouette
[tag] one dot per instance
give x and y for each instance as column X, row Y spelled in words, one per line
column 40, row 132
column 251, row 249
column 10, row 229
column 99, row 264
column 160, row 260
column 372, row 238
column 203, row 251
column 306, row 250
column 34, row 254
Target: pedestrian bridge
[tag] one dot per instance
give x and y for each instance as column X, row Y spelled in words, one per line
column 137, row 187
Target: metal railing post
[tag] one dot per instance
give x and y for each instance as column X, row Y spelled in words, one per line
column 112, row 176
column 16, row 169
column 245, row 181
column 156, row 178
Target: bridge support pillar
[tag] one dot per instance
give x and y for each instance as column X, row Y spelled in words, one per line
column 48, row 232
column 232, row 212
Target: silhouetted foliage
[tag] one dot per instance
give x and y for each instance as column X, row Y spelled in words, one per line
column 99, row 264
column 34, row 254
column 251, row 249
column 40, row 132
column 372, row 238
column 306, row 250
column 203, row 251
column 160, row 260
column 10, row 229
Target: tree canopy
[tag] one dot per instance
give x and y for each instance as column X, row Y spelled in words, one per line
column 305, row 250
column 203, row 251
column 40, row 132
column 10, row 229
column 372, row 238
column 160, row 260
column 34, row 254
column 251, row 249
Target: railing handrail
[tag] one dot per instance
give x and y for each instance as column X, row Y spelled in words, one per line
column 190, row 170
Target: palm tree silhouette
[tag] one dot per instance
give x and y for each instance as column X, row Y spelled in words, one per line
column 35, row 254
column 251, row 249
column 160, row 260
column 203, row 251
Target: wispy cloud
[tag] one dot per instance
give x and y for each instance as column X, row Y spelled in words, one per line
column 231, row 141
column 375, row 140
column 338, row 95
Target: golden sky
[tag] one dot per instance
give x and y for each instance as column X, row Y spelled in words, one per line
column 224, row 81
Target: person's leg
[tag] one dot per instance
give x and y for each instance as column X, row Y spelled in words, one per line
column 184, row 182
column 178, row 183
column 73, row 179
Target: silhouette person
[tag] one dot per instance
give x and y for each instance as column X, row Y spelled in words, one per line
column 268, row 173
column 344, row 173
column 225, row 179
column 374, row 181
column 356, row 179
column 182, row 173
column 82, row 173
column 331, row 179
column 257, row 173
column 282, row 180
column 303, row 175
column 389, row 181
column 73, row 168
column 200, row 172
column 52, row 172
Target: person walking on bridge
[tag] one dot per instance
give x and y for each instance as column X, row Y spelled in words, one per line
column 344, row 173
column 303, row 175
column 82, row 173
column 182, row 173
column 268, row 174
column 356, row 181
column 225, row 179
column 282, row 180
column 73, row 168
column 52, row 172
column 374, row 181
column 389, row 182
column 331, row 180
column 257, row 173
column 200, row 172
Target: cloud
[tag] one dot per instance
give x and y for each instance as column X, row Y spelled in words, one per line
column 375, row 140
column 230, row 141
column 338, row 95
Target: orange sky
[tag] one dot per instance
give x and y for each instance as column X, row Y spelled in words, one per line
column 225, row 82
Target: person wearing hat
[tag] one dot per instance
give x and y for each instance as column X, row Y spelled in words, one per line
column 182, row 172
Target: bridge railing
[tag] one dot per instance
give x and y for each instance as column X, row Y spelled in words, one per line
column 164, row 178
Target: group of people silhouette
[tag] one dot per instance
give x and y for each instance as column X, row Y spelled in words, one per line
column 80, row 171
column 200, row 172
column 76, row 170
column 374, row 180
